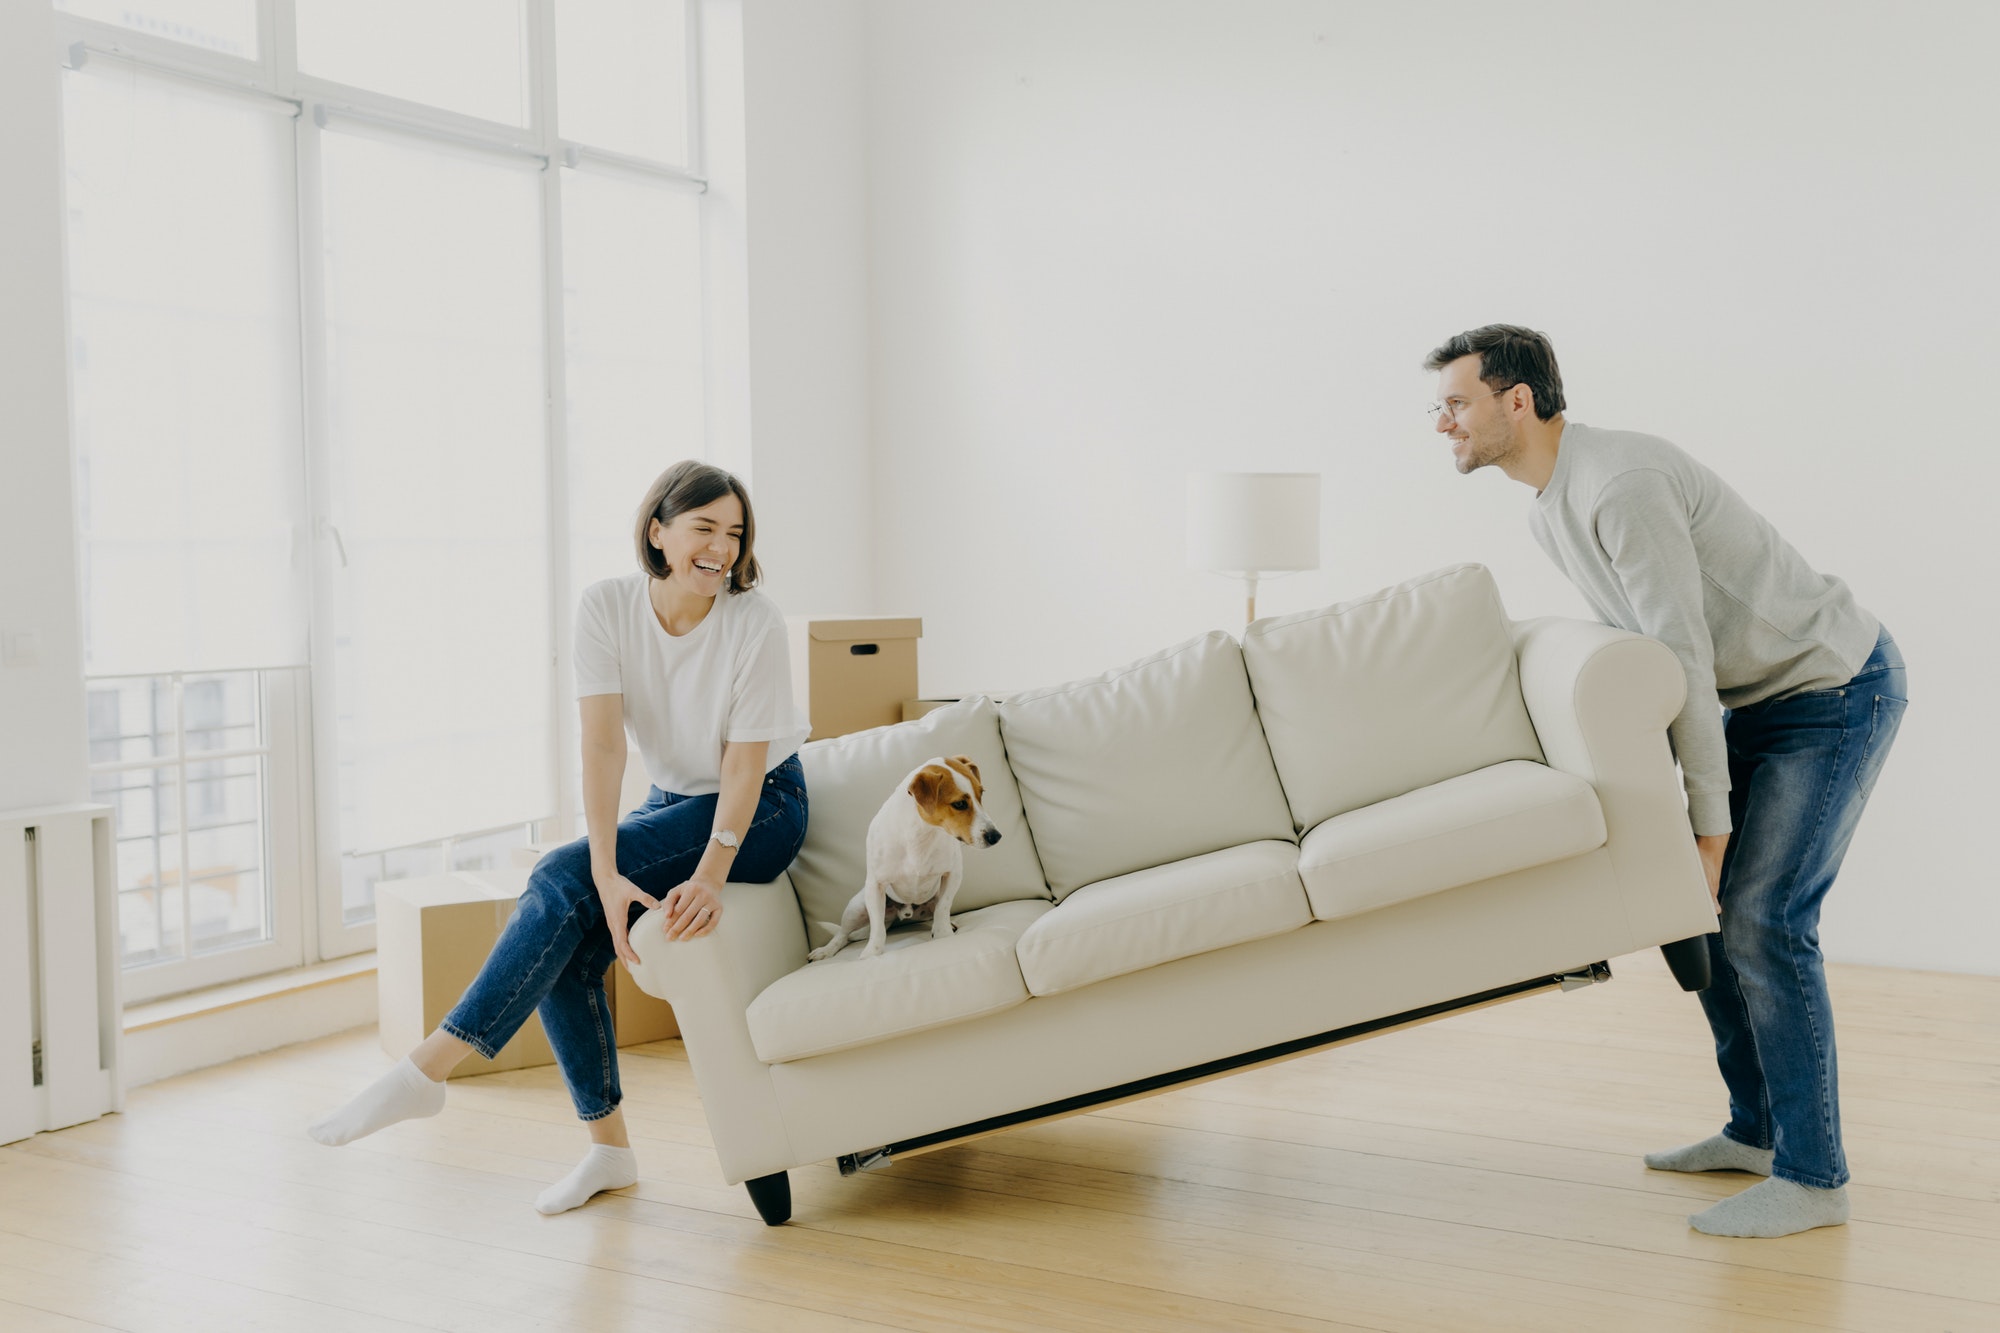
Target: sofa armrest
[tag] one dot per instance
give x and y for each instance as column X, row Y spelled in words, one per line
column 710, row 982
column 1600, row 699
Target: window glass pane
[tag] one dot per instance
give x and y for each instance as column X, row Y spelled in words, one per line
column 226, row 903
column 225, row 26
column 632, row 316
column 469, row 56
column 184, row 354
column 360, row 874
column 221, row 712
column 488, row 851
column 147, row 851
column 225, row 852
column 621, row 76
column 437, row 461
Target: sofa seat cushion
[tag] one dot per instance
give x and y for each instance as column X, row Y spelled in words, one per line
column 1495, row 821
column 1172, row 911
column 849, row 1000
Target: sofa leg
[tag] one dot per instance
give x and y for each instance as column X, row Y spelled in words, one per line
column 1688, row 960
column 773, row 1196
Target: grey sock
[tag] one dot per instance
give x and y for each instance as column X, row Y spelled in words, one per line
column 1773, row 1207
column 1718, row 1152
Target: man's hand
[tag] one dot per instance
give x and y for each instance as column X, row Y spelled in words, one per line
column 1711, row 848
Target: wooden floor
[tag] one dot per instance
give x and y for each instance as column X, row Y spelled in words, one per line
column 1480, row 1173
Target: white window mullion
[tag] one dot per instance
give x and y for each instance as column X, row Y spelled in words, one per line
column 695, row 159
column 333, row 936
column 183, row 821
column 564, row 737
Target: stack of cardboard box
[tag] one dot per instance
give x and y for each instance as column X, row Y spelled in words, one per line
column 432, row 935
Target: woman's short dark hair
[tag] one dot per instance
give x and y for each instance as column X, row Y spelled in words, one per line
column 1509, row 355
column 691, row 485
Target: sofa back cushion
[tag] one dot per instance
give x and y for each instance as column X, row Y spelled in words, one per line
column 1376, row 697
column 849, row 777
column 1153, row 762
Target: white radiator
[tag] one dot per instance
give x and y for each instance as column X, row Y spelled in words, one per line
column 61, row 1023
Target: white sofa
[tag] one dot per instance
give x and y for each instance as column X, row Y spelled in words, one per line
column 1362, row 817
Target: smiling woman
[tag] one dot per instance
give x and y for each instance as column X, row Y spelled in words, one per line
column 684, row 510
column 702, row 683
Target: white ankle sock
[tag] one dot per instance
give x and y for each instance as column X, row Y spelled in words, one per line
column 602, row 1168
column 1718, row 1152
column 1774, row 1207
column 404, row 1093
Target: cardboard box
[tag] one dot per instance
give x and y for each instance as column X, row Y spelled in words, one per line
column 851, row 673
column 636, row 1016
column 434, row 933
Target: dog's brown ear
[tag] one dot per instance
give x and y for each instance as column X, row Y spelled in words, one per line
column 971, row 770
column 927, row 784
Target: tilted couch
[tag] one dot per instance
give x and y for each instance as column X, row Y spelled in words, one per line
column 1363, row 817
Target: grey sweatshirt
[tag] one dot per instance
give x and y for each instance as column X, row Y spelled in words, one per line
column 1660, row 545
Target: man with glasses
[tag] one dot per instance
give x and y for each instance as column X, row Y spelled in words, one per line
column 1794, row 696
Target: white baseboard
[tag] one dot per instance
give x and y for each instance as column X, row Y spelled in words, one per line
column 179, row 1036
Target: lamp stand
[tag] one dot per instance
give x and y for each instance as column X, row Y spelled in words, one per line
column 1249, row 598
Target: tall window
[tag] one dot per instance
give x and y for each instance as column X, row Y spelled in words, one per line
column 383, row 317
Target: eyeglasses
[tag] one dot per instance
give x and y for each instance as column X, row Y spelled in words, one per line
column 1451, row 407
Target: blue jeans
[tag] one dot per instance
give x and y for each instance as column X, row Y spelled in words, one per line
column 552, row 956
column 1800, row 771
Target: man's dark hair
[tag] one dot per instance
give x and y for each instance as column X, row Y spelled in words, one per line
column 1509, row 355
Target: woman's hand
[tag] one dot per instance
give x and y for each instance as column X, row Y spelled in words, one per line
column 692, row 909
column 617, row 894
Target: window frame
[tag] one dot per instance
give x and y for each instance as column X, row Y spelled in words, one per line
column 304, row 825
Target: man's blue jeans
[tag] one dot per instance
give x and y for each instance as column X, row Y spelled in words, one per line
column 1800, row 771
column 552, row 956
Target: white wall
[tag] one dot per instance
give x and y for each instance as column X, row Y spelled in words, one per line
column 804, row 206
column 1117, row 240
column 41, row 705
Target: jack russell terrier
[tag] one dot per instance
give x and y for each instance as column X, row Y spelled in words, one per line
column 916, row 855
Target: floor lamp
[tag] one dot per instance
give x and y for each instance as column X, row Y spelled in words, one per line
column 1250, row 524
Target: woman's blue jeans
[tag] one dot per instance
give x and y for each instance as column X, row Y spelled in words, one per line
column 552, row 956
column 1800, row 771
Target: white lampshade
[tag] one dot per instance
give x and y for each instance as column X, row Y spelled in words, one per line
column 1253, row 522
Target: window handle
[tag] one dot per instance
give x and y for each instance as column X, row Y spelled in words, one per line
column 339, row 546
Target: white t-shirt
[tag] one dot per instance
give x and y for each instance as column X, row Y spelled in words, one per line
column 727, row 679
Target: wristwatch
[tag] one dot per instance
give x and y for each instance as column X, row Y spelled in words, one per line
column 727, row 837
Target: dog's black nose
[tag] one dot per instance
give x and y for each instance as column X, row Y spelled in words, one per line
column 992, row 836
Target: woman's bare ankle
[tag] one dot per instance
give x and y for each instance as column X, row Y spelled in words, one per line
column 438, row 1054
column 609, row 1130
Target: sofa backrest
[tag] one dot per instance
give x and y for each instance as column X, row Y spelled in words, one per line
column 1150, row 763
column 1378, row 696
column 849, row 777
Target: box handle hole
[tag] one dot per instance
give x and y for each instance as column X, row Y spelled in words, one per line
column 864, row 649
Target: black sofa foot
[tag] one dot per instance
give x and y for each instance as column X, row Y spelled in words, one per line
column 1688, row 960
column 773, row 1196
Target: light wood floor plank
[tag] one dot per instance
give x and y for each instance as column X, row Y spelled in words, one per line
column 1479, row 1173
column 28, row 1319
